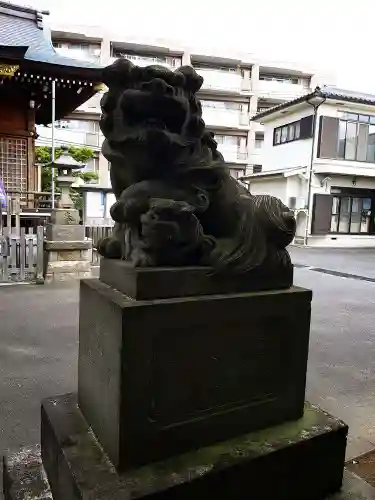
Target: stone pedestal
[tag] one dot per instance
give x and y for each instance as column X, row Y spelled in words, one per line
column 67, row 252
column 159, row 377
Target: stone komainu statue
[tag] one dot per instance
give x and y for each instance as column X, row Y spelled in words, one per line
column 176, row 201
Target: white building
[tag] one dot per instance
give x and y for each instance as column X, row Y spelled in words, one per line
column 236, row 87
column 326, row 172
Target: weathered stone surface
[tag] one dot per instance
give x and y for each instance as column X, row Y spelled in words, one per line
column 68, row 245
column 353, row 488
column 68, row 266
column 68, row 255
column 60, row 277
column 144, row 283
column 159, row 377
column 65, row 232
column 65, row 216
column 24, row 477
column 297, row 460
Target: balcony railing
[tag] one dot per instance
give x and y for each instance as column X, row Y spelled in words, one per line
column 232, row 155
column 281, row 90
column 69, row 137
column 170, row 63
column 80, row 54
column 228, row 119
column 222, row 81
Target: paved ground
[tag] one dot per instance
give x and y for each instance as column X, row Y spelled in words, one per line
column 352, row 260
column 39, row 341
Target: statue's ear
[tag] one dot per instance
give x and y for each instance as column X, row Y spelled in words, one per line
column 120, row 72
column 193, row 81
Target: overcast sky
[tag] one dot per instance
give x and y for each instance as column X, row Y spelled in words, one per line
column 338, row 35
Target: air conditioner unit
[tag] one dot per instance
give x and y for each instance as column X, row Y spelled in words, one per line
column 292, row 202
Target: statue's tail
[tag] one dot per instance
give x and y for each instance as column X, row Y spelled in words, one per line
column 277, row 220
column 265, row 227
column 247, row 249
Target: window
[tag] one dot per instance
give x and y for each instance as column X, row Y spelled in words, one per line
column 277, row 138
column 342, row 135
column 80, row 125
column 292, row 131
column 297, row 130
column 351, row 214
column 257, row 169
column 351, row 141
column 92, row 166
column 370, row 155
column 228, row 140
column 223, row 105
column 356, row 137
column 13, row 163
column 226, row 69
column 83, row 50
column 278, row 78
column 284, row 134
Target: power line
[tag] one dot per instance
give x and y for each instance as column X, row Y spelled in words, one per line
column 48, row 140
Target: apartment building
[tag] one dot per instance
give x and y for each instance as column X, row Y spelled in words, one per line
column 326, row 172
column 235, row 88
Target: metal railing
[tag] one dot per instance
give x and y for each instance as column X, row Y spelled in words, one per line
column 96, row 233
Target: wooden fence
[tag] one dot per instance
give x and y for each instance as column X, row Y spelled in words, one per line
column 96, row 233
column 21, row 254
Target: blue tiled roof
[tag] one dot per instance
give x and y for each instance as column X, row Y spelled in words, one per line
column 329, row 92
column 17, row 30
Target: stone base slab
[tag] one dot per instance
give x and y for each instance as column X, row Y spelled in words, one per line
column 65, row 232
column 147, row 283
column 25, row 479
column 60, row 277
column 68, row 245
column 301, row 460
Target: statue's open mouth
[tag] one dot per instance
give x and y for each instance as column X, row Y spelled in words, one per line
column 145, row 109
column 154, row 123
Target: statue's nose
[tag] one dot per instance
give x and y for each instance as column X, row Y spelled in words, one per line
column 158, row 86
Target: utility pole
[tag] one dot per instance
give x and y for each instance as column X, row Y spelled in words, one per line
column 53, row 141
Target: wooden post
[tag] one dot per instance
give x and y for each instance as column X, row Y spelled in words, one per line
column 22, row 248
column 40, row 255
column 9, row 214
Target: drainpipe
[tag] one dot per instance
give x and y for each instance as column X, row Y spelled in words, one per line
column 315, row 100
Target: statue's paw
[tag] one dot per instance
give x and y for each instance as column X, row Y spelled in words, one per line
column 128, row 209
column 140, row 258
column 110, row 248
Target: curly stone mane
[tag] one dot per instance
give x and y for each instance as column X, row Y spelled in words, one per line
column 169, row 178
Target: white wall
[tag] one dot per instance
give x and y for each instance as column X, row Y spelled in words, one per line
column 331, row 108
column 343, row 181
column 292, row 154
column 276, row 186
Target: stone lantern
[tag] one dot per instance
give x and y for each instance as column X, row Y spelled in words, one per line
column 67, row 251
column 65, row 165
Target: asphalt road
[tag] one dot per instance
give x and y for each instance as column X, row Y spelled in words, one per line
column 39, row 343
